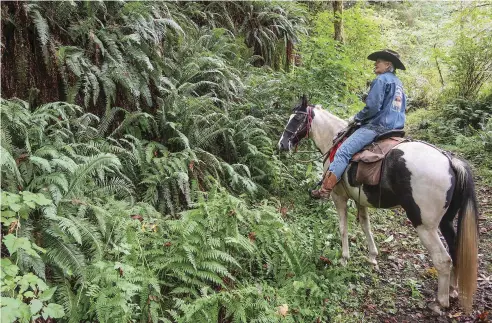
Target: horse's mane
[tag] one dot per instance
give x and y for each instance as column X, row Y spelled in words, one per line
column 319, row 108
column 325, row 126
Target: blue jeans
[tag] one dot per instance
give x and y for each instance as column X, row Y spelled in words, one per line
column 353, row 144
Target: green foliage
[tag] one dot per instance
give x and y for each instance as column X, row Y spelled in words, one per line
column 470, row 60
column 224, row 258
column 25, row 297
column 467, row 114
column 15, row 206
column 143, row 54
column 250, row 303
column 266, row 25
column 154, row 193
column 333, row 73
column 462, row 126
column 28, row 296
column 478, row 147
column 459, row 117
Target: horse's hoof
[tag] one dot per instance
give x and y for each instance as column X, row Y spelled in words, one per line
column 453, row 293
column 373, row 262
column 435, row 308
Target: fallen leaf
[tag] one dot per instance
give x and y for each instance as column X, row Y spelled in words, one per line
column 252, row 236
column 137, row 217
column 13, row 226
column 325, row 260
column 454, row 315
column 389, row 239
column 431, row 272
column 282, row 310
column 483, row 317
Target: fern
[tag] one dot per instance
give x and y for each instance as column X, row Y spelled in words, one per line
column 73, row 303
column 179, row 141
column 41, row 26
column 8, row 163
column 129, row 119
column 64, row 255
column 87, row 169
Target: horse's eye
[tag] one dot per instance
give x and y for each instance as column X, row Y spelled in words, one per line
column 298, row 117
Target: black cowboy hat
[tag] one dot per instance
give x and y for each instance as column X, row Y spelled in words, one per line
column 388, row 55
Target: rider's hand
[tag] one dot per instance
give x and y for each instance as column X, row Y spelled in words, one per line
column 351, row 120
column 363, row 97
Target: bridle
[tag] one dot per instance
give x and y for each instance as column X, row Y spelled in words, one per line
column 305, row 124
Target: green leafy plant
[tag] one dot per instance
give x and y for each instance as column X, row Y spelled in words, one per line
column 25, row 297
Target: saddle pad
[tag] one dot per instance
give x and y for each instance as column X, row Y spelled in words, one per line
column 371, row 160
column 333, row 150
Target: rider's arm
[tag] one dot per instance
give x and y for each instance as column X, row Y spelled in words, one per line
column 374, row 101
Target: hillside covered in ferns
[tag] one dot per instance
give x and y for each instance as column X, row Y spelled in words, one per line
column 139, row 173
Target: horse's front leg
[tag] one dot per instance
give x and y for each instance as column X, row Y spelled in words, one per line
column 341, row 206
column 366, row 227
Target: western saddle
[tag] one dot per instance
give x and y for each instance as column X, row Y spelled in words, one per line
column 371, row 157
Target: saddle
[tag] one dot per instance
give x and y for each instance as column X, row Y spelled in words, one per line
column 371, row 157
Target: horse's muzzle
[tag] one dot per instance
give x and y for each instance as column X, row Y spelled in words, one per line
column 284, row 146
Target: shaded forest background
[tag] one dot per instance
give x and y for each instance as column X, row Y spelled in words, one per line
column 140, row 178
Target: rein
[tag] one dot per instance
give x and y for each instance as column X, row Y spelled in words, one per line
column 312, row 159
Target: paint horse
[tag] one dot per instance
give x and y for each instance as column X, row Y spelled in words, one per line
column 430, row 186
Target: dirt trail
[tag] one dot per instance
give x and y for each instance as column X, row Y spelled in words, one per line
column 407, row 282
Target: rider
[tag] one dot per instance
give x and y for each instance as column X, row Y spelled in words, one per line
column 384, row 111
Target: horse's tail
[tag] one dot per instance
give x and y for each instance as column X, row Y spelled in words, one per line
column 467, row 252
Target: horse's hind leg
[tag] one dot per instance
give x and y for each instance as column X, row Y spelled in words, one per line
column 449, row 234
column 366, row 227
column 441, row 260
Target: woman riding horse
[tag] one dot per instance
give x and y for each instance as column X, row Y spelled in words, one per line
column 384, row 111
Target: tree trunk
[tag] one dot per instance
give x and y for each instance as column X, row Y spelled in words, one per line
column 338, row 13
column 439, row 68
column 288, row 55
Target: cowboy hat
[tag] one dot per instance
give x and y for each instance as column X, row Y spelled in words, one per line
column 388, row 55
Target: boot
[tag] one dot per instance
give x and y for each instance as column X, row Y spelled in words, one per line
column 329, row 182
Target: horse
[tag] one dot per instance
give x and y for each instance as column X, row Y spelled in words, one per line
column 430, row 185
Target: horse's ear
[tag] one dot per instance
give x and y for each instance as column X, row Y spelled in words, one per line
column 304, row 102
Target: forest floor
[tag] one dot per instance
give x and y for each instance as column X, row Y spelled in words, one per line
column 407, row 281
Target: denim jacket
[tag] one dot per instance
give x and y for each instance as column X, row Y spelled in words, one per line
column 385, row 104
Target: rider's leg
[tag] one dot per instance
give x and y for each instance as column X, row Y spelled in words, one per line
column 358, row 140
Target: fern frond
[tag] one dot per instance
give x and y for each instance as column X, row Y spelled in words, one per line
column 63, row 254
column 68, row 226
column 41, row 26
column 93, row 164
column 8, row 162
column 89, row 234
column 107, row 120
column 130, row 119
column 70, row 301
